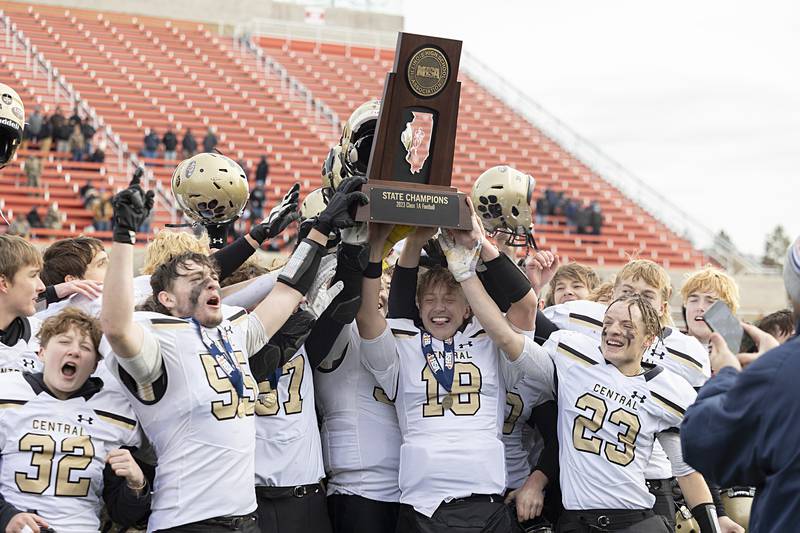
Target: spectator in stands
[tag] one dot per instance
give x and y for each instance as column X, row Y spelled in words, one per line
column 20, row 226
column 257, row 199
column 583, row 216
column 189, row 144
column 75, row 118
column 170, row 141
column 84, row 189
column 101, row 212
column 88, row 130
column 46, row 136
column 210, row 140
column 779, row 324
column 33, row 170
column 99, row 154
column 53, row 218
column 61, row 130
column 77, row 143
column 569, row 209
column 542, row 209
column 33, row 128
column 262, row 171
column 34, row 218
column 596, row 218
column 151, row 142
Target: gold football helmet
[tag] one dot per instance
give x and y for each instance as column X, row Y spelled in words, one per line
column 356, row 141
column 502, row 197
column 737, row 502
column 313, row 204
column 332, row 171
column 12, row 123
column 684, row 523
column 210, row 188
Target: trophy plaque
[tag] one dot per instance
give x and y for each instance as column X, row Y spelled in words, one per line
column 411, row 161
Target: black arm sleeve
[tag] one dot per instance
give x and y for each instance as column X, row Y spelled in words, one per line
column 402, row 294
column 124, row 507
column 544, row 328
column 506, row 279
column 7, row 512
column 282, row 346
column 544, row 417
column 716, row 498
column 351, row 261
column 490, row 284
column 233, row 256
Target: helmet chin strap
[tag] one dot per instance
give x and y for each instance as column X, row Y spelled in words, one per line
column 217, row 235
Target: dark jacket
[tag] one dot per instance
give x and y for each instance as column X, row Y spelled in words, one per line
column 741, row 432
column 262, row 170
column 189, row 143
column 209, row 142
column 151, row 141
column 170, row 141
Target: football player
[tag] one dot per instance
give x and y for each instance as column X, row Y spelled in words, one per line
column 570, row 282
column 612, row 408
column 76, row 259
column 448, row 381
column 61, row 438
column 186, row 368
column 12, row 123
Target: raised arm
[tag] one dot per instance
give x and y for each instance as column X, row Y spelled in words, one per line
column 131, row 207
column 369, row 319
column 402, row 301
column 512, row 285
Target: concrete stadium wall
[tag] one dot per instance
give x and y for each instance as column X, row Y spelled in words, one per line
column 232, row 12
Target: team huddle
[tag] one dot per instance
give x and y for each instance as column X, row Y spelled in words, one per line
column 383, row 379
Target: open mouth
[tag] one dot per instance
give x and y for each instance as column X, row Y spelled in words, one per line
column 213, row 301
column 440, row 320
column 69, row 369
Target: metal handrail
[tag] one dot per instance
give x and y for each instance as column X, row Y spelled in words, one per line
column 322, row 33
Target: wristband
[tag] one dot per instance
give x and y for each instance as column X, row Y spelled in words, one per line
column 139, row 488
column 123, row 235
column 374, row 270
column 706, row 516
column 300, row 271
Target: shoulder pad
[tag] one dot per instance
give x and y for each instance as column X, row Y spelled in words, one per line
column 576, row 346
column 671, row 392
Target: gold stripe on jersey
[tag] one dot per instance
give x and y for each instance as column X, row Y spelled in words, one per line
column 586, row 321
column 117, row 420
column 685, row 359
column 574, row 354
column 404, row 333
column 169, row 323
column 674, row 408
column 5, row 403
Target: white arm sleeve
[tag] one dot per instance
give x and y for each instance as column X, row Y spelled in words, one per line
column 379, row 356
column 251, row 295
column 534, row 364
column 146, row 366
column 256, row 336
column 671, row 442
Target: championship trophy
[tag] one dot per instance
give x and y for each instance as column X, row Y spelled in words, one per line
column 411, row 162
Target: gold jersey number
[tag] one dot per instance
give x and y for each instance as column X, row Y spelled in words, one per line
column 621, row 452
column 465, row 392
column 79, row 454
column 269, row 402
column 514, row 401
column 233, row 406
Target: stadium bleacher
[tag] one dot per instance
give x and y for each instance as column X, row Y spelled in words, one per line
column 143, row 72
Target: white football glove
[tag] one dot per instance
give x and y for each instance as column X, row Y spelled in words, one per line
column 320, row 295
column 461, row 261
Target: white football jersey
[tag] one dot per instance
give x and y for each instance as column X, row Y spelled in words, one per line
column 288, row 448
column 519, row 438
column 23, row 355
column 360, row 434
column 202, row 433
column 54, row 451
column 607, row 423
column 451, row 442
column 141, row 289
column 92, row 307
column 675, row 351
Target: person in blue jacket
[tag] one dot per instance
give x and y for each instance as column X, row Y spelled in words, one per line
column 743, row 428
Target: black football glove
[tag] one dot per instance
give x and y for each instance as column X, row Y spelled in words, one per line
column 131, row 208
column 279, row 218
column 340, row 212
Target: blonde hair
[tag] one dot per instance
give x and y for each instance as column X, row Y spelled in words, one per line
column 574, row 272
column 654, row 275
column 603, row 293
column 168, row 244
column 712, row 280
column 17, row 253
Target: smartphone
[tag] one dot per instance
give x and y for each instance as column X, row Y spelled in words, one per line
column 721, row 320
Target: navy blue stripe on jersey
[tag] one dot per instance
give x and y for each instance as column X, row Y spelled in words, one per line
column 685, row 357
column 576, row 353
column 12, row 403
column 677, row 408
column 119, row 419
column 588, row 319
column 652, row 371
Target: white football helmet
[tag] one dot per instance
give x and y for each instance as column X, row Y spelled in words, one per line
column 502, row 196
column 357, row 135
column 12, row 123
column 313, row 204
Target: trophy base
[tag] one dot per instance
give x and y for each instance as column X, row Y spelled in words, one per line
column 396, row 202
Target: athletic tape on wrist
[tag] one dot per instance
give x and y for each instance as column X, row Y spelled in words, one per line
column 300, row 271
